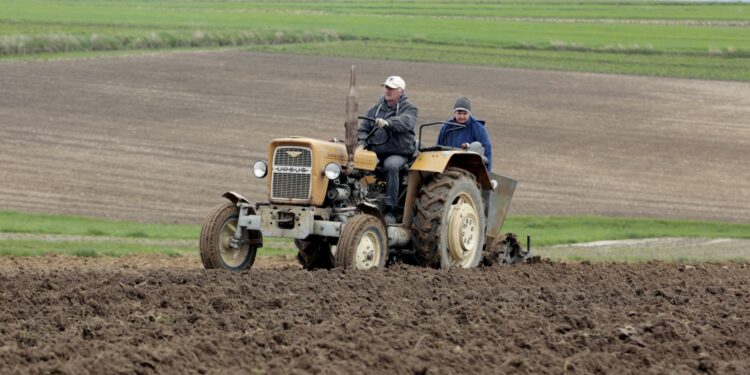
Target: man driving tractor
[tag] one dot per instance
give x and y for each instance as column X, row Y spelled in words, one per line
column 396, row 114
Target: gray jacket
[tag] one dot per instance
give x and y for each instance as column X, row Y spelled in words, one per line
column 402, row 120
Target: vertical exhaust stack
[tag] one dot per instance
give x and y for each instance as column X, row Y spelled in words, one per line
column 352, row 104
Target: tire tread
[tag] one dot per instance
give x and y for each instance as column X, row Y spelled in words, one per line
column 348, row 240
column 428, row 214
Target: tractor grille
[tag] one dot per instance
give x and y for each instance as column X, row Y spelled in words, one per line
column 292, row 168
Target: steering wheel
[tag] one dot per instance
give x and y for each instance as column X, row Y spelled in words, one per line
column 375, row 128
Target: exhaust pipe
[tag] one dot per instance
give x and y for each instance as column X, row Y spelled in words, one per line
column 351, row 125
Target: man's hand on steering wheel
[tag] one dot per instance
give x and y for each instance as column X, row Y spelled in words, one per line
column 378, row 122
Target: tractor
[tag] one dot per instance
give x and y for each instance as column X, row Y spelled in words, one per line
column 328, row 196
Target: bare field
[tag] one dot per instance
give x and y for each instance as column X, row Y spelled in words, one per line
column 160, row 137
column 542, row 318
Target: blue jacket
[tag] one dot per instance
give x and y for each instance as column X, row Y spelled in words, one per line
column 472, row 131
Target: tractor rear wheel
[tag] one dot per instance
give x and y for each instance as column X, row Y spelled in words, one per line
column 217, row 232
column 449, row 222
column 314, row 253
column 363, row 243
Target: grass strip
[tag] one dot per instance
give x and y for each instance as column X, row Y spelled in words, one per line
column 62, row 43
column 553, row 230
column 18, row 222
column 172, row 12
column 36, row 234
column 75, row 235
column 627, row 61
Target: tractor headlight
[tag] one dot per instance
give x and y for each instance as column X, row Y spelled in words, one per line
column 260, row 169
column 332, row 171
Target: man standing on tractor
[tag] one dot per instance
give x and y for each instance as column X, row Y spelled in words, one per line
column 395, row 117
column 463, row 130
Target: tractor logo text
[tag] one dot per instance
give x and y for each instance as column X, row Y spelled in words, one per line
column 294, row 170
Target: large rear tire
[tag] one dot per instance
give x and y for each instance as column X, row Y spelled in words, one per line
column 449, row 222
column 217, row 230
column 314, row 253
column 363, row 243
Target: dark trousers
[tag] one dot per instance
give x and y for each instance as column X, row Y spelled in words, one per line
column 392, row 164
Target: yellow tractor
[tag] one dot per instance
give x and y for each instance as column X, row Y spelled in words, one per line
column 328, row 197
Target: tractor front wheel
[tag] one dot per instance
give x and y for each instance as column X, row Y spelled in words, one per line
column 363, row 243
column 217, row 234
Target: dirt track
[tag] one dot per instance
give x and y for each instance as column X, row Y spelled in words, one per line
column 540, row 318
column 161, row 137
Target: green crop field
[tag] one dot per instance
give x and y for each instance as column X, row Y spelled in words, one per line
column 696, row 40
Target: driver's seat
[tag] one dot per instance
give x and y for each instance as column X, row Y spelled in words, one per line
column 479, row 149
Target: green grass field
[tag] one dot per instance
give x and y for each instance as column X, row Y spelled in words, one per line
column 696, row 40
column 24, row 234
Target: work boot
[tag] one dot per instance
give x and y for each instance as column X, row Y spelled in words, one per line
column 390, row 218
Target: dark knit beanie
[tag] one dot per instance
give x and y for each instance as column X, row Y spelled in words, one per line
column 462, row 104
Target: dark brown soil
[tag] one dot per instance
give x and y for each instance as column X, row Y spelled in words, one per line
column 538, row 318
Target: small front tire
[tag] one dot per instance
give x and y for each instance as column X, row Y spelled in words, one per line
column 217, row 231
column 363, row 243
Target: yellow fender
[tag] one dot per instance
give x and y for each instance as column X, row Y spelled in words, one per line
column 438, row 161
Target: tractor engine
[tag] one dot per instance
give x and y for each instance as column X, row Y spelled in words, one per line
column 300, row 169
column 301, row 172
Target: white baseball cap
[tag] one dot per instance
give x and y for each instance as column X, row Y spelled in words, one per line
column 395, row 82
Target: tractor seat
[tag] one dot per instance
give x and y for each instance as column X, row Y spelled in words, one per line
column 479, row 149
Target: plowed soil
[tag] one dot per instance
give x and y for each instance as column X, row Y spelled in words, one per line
column 539, row 318
column 161, row 137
